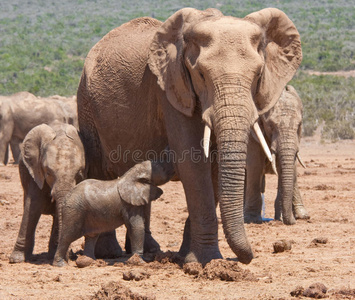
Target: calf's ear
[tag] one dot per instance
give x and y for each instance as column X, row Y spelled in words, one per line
column 135, row 186
column 33, row 148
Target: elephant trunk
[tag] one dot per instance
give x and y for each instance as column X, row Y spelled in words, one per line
column 287, row 156
column 232, row 121
column 58, row 195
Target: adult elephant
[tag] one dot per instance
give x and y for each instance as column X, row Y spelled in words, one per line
column 21, row 112
column 147, row 83
column 282, row 126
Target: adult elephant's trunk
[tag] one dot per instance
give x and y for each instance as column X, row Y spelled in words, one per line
column 287, row 156
column 233, row 115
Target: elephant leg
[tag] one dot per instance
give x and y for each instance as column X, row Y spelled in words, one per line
column 107, row 246
column 15, row 149
column 299, row 211
column 71, row 230
column 254, row 183
column 185, row 135
column 34, row 201
column 186, row 239
column 278, row 201
column 150, row 244
column 136, row 232
column 89, row 249
column 53, row 241
column 4, row 152
column 186, row 242
column 5, row 138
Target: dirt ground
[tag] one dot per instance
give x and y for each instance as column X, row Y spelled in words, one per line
column 323, row 248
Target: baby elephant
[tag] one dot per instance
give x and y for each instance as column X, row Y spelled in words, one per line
column 96, row 206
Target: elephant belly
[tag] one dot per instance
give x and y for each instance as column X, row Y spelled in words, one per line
column 101, row 224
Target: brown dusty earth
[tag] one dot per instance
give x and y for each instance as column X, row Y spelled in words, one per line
column 322, row 251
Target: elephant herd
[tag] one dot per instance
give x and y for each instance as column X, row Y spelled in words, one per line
column 201, row 97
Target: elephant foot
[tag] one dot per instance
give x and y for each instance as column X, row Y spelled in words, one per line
column 289, row 221
column 107, row 246
column 59, row 262
column 203, row 256
column 17, row 257
column 301, row 213
column 251, row 218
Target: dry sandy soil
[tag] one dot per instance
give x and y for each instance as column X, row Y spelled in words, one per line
column 328, row 189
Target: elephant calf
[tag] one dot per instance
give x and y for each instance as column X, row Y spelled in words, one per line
column 52, row 162
column 96, row 206
column 282, row 128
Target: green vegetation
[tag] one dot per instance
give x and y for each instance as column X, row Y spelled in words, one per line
column 43, row 44
column 328, row 100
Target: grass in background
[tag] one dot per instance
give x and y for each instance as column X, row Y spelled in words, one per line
column 43, row 44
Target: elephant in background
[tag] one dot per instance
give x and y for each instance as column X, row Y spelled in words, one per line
column 147, row 84
column 95, row 206
column 20, row 112
column 282, row 126
column 51, row 163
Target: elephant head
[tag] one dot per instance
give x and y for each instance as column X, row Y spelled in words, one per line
column 54, row 155
column 283, row 126
column 233, row 70
column 138, row 186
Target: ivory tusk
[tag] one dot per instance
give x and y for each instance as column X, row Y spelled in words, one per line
column 206, row 140
column 262, row 141
column 300, row 160
column 273, row 164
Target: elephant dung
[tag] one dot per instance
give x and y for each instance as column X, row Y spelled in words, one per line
column 135, row 275
column 84, row 261
column 282, row 245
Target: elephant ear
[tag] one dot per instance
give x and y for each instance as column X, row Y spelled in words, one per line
column 32, row 149
column 71, row 132
column 166, row 59
column 135, row 186
column 283, row 55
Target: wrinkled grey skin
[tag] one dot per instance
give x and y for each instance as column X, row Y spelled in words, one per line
column 20, row 112
column 52, row 162
column 147, row 84
column 282, row 128
column 97, row 206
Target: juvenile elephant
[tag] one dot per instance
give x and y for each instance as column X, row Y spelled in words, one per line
column 282, row 126
column 20, row 112
column 147, row 84
column 96, row 206
column 51, row 163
